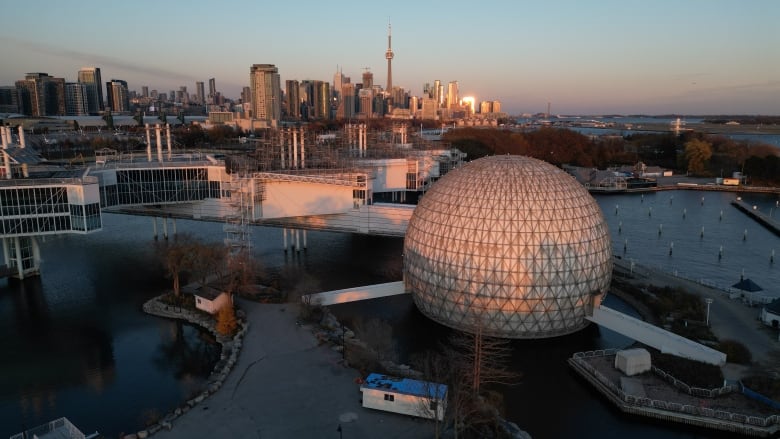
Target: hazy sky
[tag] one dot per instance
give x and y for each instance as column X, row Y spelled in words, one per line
column 584, row 57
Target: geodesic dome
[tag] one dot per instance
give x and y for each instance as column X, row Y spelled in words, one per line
column 508, row 245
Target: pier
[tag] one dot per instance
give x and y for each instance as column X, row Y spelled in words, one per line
column 355, row 294
column 765, row 220
column 667, row 403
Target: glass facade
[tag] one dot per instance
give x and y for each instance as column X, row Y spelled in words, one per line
column 510, row 246
column 30, row 210
column 160, row 186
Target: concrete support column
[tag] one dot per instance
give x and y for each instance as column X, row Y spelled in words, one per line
column 168, row 138
column 294, row 148
column 148, row 143
column 303, row 155
column 297, row 240
column 22, row 141
column 36, row 251
column 173, row 221
column 154, row 225
column 165, row 227
column 7, row 164
column 284, row 239
column 18, row 248
column 304, row 239
column 282, row 153
column 6, row 254
column 158, row 132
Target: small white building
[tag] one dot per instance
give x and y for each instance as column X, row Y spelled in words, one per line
column 208, row 299
column 633, row 361
column 770, row 314
column 406, row 396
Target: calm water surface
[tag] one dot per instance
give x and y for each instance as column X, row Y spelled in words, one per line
column 78, row 345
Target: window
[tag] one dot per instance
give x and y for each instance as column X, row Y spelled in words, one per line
column 389, row 397
column 434, row 405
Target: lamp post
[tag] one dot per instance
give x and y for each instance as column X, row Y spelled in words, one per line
column 709, row 302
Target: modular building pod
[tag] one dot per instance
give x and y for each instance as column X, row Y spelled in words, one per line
column 405, row 396
column 633, row 361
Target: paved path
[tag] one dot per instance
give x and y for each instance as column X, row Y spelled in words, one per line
column 285, row 385
column 729, row 319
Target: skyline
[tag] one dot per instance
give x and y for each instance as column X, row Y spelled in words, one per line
column 628, row 57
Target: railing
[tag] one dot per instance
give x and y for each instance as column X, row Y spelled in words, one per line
column 668, row 406
column 348, row 179
column 48, row 181
column 62, row 426
column 646, row 270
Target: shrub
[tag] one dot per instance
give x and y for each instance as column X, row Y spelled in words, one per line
column 735, row 351
column 693, row 373
column 226, row 321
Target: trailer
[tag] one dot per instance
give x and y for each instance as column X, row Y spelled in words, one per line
column 405, row 396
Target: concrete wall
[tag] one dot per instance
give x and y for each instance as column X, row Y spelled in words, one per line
column 292, row 198
column 390, row 175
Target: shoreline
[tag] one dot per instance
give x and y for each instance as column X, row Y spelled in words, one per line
column 230, row 346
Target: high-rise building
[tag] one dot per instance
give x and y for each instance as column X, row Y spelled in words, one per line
column 338, row 82
column 9, row 99
column 40, row 94
column 368, row 79
column 452, row 95
column 346, row 109
column 90, row 77
column 292, row 99
column 438, row 92
column 200, row 91
column 145, row 91
column 76, row 99
column 118, row 96
column 486, row 107
column 322, row 101
column 266, row 93
column 366, row 99
column 246, row 95
column 496, row 106
column 429, row 109
column 212, row 88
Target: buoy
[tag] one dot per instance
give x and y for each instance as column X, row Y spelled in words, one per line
column 616, row 209
column 660, row 228
column 684, row 212
column 650, row 212
column 720, row 252
column 671, row 247
column 744, row 235
column 721, row 216
column 702, row 231
column 620, row 227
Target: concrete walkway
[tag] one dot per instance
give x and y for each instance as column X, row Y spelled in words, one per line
column 729, row 319
column 285, row 385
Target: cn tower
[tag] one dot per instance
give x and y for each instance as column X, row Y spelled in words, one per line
column 389, row 56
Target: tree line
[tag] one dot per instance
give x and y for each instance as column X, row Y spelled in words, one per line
column 690, row 152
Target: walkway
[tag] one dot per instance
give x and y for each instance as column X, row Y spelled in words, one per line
column 285, row 385
column 729, row 319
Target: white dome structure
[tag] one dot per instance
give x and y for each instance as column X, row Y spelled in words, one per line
column 510, row 246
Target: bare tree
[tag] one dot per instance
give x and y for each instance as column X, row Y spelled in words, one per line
column 475, row 361
column 378, row 335
column 178, row 256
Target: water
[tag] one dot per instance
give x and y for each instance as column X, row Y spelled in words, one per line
column 78, row 345
column 639, row 122
column 745, row 246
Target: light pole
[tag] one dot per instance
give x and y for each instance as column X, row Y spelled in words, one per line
column 709, row 302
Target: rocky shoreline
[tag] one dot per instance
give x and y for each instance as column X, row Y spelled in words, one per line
column 231, row 348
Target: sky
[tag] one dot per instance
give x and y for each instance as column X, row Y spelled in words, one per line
column 701, row 57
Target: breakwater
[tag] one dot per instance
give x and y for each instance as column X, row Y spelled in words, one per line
column 765, row 220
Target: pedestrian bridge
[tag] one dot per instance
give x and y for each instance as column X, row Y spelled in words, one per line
column 354, row 294
column 651, row 335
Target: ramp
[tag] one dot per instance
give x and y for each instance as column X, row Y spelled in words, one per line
column 651, row 335
column 355, row 294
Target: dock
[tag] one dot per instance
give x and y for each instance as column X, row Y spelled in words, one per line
column 765, row 220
